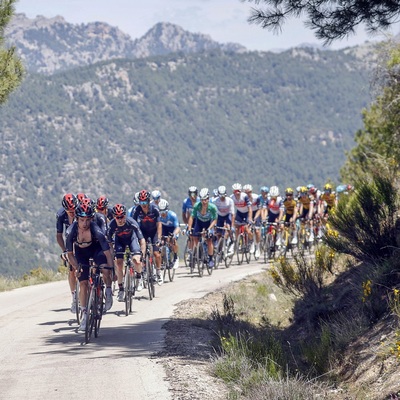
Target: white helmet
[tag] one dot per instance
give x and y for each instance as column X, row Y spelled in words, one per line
column 222, row 190
column 274, row 191
column 248, row 188
column 155, row 194
column 136, row 198
column 236, row 186
column 163, row 205
column 204, row 194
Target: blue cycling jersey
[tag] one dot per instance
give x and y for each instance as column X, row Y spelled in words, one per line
column 170, row 219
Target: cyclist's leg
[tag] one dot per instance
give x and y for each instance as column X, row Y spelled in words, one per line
column 101, row 260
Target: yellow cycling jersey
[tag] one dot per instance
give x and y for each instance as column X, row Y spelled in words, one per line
column 290, row 205
column 329, row 198
column 306, row 201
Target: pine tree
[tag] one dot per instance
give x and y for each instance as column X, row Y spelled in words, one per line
column 11, row 69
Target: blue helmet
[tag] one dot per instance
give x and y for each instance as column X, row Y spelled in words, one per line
column 264, row 189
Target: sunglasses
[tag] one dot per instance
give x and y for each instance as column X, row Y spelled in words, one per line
column 236, row 191
column 121, row 217
column 289, row 194
column 143, row 203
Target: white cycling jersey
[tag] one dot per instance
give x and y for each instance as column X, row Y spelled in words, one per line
column 242, row 203
column 225, row 206
column 254, row 202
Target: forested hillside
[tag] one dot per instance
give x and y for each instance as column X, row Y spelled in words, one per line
column 170, row 122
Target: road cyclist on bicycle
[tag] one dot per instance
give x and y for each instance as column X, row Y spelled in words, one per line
column 275, row 210
column 64, row 218
column 124, row 231
column 148, row 217
column 225, row 210
column 204, row 217
column 170, row 227
column 187, row 208
column 85, row 240
column 290, row 212
column 307, row 209
column 254, row 201
column 243, row 212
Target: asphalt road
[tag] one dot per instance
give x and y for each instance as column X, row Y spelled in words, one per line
column 44, row 357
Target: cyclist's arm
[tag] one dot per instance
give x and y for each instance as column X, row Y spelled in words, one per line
column 60, row 241
column 190, row 223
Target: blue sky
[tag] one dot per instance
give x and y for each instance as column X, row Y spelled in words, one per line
column 224, row 20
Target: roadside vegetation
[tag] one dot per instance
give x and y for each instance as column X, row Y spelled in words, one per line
column 350, row 287
column 33, row 277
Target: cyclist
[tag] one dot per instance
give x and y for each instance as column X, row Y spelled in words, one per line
column 204, row 216
column 253, row 198
column 155, row 197
column 262, row 204
column 170, row 226
column 64, row 218
column 148, row 217
column 85, row 240
column 187, row 208
column 126, row 232
column 103, row 209
column 243, row 211
column 225, row 210
column 135, row 203
column 80, row 196
column 290, row 211
column 307, row 209
column 327, row 201
column 275, row 209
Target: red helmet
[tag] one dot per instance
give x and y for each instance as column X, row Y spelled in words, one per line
column 69, row 202
column 89, row 202
column 84, row 210
column 144, row 195
column 102, row 203
column 81, row 196
column 119, row 210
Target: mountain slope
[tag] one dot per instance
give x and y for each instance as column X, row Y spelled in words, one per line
column 168, row 123
column 50, row 44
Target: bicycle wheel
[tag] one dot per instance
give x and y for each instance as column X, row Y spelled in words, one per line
column 199, row 259
column 240, row 248
column 186, row 255
column 150, row 278
column 171, row 269
column 285, row 242
column 302, row 241
column 90, row 315
column 228, row 256
column 192, row 261
column 164, row 261
column 269, row 249
column 99, row 306
column 76, row 299
column 247, row 247
column 127, row 288
column 219, row 252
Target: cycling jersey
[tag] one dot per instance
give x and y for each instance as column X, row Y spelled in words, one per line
column 275, row 205
column 224, row 207
column 147, row 222
column 124, row 231
column 210, row 214
column 170, row 220
column 306, row 201
column 253, row 202
column 329, row 198
column 187, row 205
column 289, row 205
column 62, row 220
column 242, row 203
column 97, row 235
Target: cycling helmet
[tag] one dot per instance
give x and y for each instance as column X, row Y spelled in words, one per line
column 88, row 201
column 136, row 198
column 236, row 186
column 156, row 195
column 289, row 191
column 215, row 192
column 309, row 186
column 69, row 202
column 144, row 195
column 313, row 190
column 349, row 187
column 119, row 210
column 204, row 194
column 298, row 189
column 303, row 189
column 163, row 205
column 248, row 188
column 193, row 191
column 84, row 210
column 102, row 203
column 264, row 189
column 222, row 190
column 274, row 191
column 328, row 187
column 81, row 196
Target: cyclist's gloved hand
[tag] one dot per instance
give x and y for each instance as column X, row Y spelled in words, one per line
column 64, row 255
column 209, row 233
column 158, row 243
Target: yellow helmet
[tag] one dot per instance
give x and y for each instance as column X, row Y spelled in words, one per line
column 288, row 191
column 303, row 189
column 327, row 187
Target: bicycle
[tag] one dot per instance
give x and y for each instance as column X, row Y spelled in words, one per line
column 221, row 250
column 242, row 245
column 304, row 235
column 96, row 300
column 268, row 235
column 200, row 255
column 78, row 308
column 148, row 272
column 286, row 236
column 129, row 281
column 186, row 251
column 167, row 257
